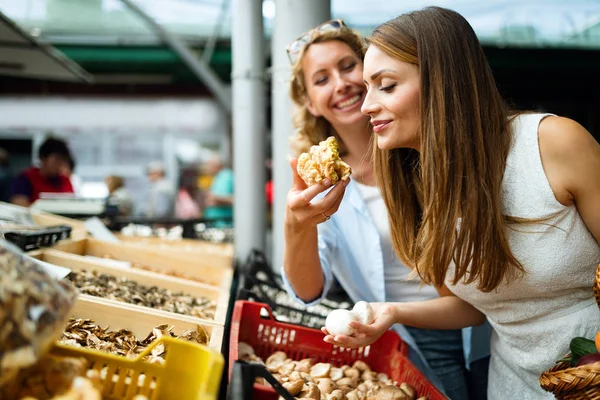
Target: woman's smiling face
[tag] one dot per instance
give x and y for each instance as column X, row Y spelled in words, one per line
column 333, row 75
column 393, row 99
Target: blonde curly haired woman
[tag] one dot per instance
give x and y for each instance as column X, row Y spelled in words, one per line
column 344, row 233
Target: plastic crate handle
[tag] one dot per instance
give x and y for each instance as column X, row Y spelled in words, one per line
column 242, row 381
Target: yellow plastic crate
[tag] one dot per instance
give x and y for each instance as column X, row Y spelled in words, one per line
column 190, row 371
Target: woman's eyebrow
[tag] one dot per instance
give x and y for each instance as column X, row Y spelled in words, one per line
column 381, row 71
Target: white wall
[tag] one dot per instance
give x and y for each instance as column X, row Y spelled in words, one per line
column 198, row 117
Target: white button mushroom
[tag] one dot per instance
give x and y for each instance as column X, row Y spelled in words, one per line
column 337, row 322
column 363, row 312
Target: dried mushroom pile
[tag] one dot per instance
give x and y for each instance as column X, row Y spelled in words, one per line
column 322, row 381
column 123, row 289
column 85, row 333
column 58, row 378
column 33, row 309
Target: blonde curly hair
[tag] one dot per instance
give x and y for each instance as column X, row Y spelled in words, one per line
column 310, row 130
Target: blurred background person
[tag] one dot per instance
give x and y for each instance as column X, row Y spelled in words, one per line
column 5, row 176
column 219, row 197
column 187, row 203
column 68, row 170
column 47, row 178
column 119, row 200
column 161, row 194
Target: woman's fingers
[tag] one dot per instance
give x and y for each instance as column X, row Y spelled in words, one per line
column 299, row 200
column 346, row 341
column 297, row 182
column 337, row 199
column 367, row 330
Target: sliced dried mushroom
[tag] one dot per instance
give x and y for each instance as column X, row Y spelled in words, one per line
column 304, row 365
column 59, row 378
column 335, row 395
column 274, row 365
column 310, row 391
column 336, row 374
column 352, row 373
column 295, row 376
column 409, row 390
column 369, row 376
column 33, row 306
column 294, row 387
column 278, row 355
column 358, row 382
column 123, row 289
column 326, row 385
column 391, row 392
column 307, row 378
column 361, row 366
column 85, row 333
column 245, row 351
column 320, row 370
column 348, row 382
column 287, row 368
column 353, row 395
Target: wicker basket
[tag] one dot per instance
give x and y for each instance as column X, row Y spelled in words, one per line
column 575, row 383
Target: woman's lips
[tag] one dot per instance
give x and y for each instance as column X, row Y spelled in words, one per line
column 379, row 126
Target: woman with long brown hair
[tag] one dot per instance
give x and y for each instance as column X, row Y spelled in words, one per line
column 499, row 210
column 345, row 233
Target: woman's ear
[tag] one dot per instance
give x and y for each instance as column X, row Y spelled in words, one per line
column 311, row 107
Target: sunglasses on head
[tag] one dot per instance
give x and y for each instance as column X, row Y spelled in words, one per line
column 294, row 49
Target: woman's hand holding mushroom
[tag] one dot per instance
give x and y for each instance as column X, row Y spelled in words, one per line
column 359, row 333
column 301, row 210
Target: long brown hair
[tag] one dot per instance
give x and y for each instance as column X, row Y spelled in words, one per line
column 444, row 202
column 310, row 130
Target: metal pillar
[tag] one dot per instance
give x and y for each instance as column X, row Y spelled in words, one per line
column 249, row 136
column 292, row 18
column 198, row 66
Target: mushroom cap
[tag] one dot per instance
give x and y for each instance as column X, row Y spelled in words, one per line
column 337, row 322
column 364, row 312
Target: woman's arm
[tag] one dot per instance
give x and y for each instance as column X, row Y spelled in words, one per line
column 301, row 262
column 446, row 312
column 571, row 161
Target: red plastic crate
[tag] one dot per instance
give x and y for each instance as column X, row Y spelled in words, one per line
column 267, row 335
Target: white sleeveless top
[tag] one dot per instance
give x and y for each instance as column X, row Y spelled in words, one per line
column 400, row 285
column 534, row 318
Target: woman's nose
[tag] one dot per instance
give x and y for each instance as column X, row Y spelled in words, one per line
column 369, row 106
column 341, row 84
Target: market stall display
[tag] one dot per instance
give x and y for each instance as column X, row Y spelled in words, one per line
column 144, row 286
column 205, row 269
column 141, row 324
column 151, row 308
column 266, row 337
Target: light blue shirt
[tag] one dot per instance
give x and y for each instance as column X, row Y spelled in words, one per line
column 350, row 249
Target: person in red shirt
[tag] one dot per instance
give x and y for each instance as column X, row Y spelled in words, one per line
column 47, row 178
